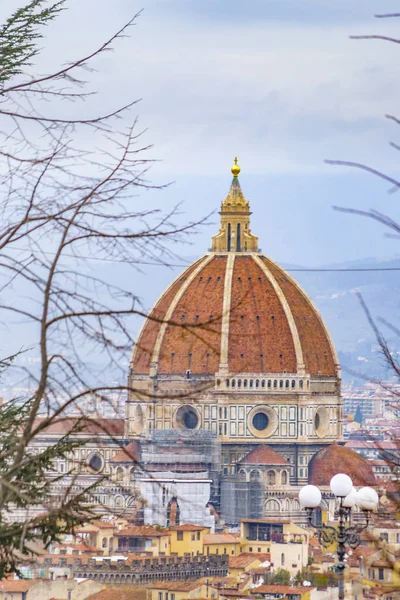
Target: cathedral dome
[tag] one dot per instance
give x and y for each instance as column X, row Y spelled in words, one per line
column 338, row 459
column 234, row 311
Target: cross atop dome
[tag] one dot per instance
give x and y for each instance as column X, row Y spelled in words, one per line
column 234, row 234
column 235, row 169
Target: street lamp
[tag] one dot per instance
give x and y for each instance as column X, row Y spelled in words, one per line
column 344, row 534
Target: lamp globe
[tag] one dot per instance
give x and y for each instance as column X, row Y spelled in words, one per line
column 341, row 485
column 310, row 496
column 351, row 499
column 367, row 499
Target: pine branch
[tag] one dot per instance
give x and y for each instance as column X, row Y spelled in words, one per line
column 19, row 36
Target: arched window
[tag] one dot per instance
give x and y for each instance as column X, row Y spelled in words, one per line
column 218, row 382
column 263, row 383
column 233, row 383
column 245, row 383
column 251, row 383
column 238, row 248
column 120, row 474
column 272, row 505
column 271, row 478
column 293, row 384
column 301, row 384
column 239, row 383
column 254, row 475
column 287, row 383
column 257, row 383
column 275, row 383
column 281, row 383
column 284, row 477
column 132, row 474
column 227, row 383
column 104, row 543
column 269, row 383
column 282, row 559
column 229, row 237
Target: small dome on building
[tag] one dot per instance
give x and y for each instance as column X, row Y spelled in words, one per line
column 337, row 459
column 263, row 455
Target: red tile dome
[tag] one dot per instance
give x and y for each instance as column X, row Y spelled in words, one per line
column 234, row 311
column 241, row 311
column 338, row 459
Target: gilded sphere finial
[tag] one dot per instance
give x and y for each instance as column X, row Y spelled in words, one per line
column 235, row 169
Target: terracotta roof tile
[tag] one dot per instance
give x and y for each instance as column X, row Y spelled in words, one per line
column 314, row 337
column 145, row 531
column 260, row 338
column 18, row 585
column 246, row 558
column 177, row 586
column 263, row 455
column 93, row 426
column 220, row 538
column 124, row 593
column 188, row 527
column 338, row 459
column 129, row 453
column 145, row 343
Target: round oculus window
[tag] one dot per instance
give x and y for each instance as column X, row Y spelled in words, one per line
column 190, row 419
column 260, row 421
column 96, row 463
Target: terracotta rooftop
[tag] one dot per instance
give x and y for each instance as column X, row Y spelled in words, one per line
column 188, row 527
column 145, row 531
column 93, row 426
column 246, row 558
column 17, row 585
column 335, row 459
column 263, row 455
column 177, row 586
column 124, row 593
column 220, row 538
column 129, row 453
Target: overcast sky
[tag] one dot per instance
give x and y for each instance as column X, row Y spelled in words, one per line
column 277, row 83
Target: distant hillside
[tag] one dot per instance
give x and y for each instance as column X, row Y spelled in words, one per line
column 334, row 292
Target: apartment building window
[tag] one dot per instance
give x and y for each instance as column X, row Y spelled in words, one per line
column 160, row 596
column 380, row 574
column 198, row 535
column 179, row 536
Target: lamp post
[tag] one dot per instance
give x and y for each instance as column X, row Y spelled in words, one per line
column 344, row 535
